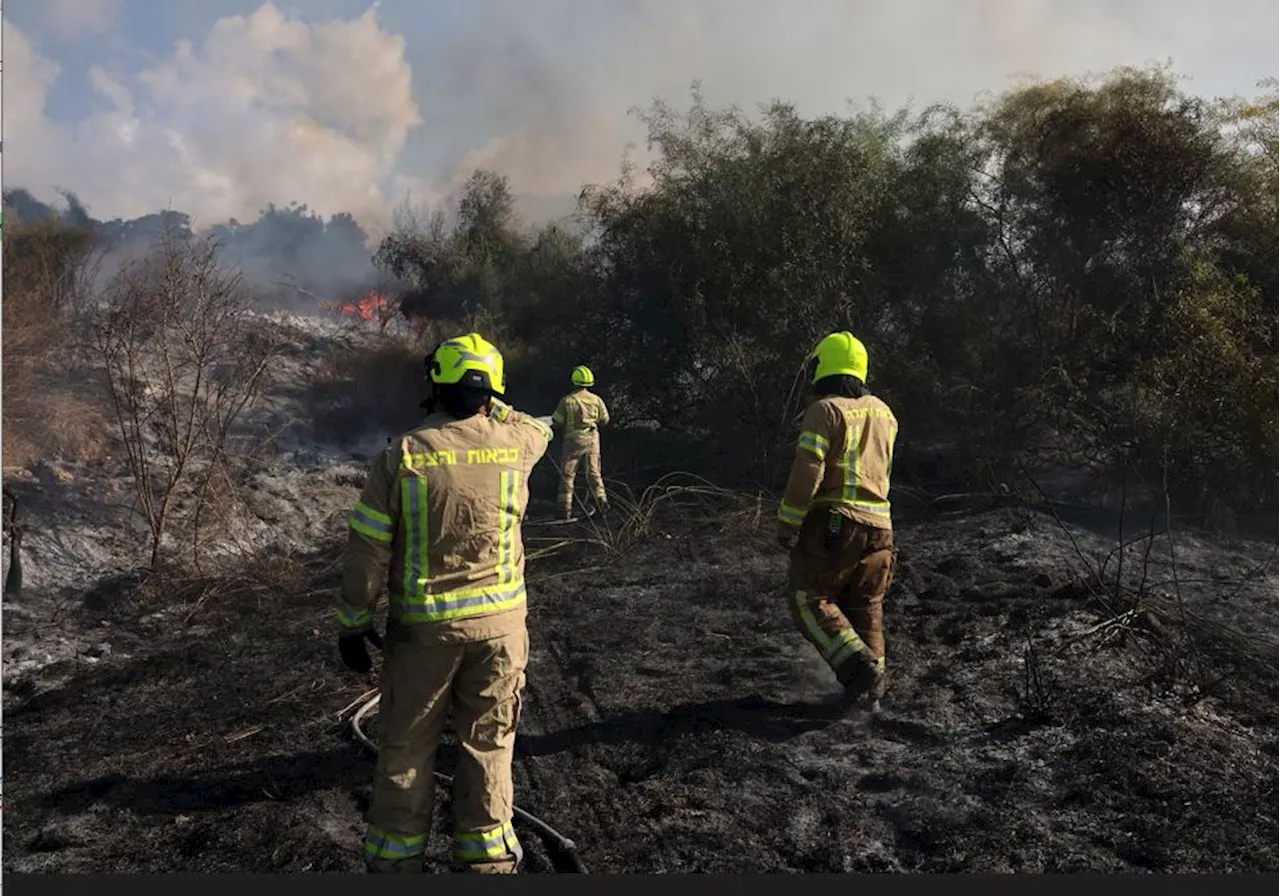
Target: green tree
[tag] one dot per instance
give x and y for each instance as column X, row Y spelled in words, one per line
column 752, row 240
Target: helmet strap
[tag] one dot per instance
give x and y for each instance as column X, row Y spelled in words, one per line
column 432, row 401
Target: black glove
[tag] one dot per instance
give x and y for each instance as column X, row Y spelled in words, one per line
column 354, row 652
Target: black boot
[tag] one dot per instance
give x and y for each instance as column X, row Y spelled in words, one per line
column 864, row 690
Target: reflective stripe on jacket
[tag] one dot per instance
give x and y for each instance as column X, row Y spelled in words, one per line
column 580, row 412
column 844, row 459
column 439, row 523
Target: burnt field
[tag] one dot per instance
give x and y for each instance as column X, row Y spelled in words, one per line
column 674, row 722
column 1066, row 291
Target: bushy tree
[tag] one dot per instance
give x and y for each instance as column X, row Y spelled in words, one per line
column 1083, row 270
column 752, row 240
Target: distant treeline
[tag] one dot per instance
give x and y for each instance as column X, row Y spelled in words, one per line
column 291, row 255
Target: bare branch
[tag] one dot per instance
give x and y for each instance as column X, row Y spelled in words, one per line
column 183, row 363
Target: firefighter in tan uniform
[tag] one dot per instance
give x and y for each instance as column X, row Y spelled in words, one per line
column 439, row 522
column 579, row 416
column 834, row 519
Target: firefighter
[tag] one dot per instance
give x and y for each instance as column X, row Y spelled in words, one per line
column 579, row 416
column 834, row 520
column 439, row 521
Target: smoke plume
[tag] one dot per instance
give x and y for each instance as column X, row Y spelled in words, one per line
column 350, row 114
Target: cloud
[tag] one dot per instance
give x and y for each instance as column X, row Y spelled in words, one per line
column 31, row 141
column 72, row 20
column 268, row 108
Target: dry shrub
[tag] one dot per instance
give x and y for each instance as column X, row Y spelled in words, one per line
column 183, row 360
column 252, row 581
column 278, row 570
column 216, row 507
column 49, row 405
column 376, row 387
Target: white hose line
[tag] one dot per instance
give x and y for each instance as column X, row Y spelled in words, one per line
column 587, row 511
column 372, row 704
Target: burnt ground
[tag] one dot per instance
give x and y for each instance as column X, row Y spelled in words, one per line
column 674, row 722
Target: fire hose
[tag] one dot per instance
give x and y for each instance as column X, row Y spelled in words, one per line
column 566, row 846
column 588, row 511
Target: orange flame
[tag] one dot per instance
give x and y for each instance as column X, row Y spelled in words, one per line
column 373, row 307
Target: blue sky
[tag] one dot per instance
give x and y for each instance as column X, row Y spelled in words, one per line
column 146, row 29
column 141, row 32
column 277, row 105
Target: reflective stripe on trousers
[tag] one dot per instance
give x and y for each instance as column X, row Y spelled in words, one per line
column 473, row 847
column 836, row 647
column 387, row 851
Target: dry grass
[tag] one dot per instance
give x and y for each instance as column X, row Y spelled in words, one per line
column 50, row 412
column 258, row 579
column 50, row 408
column 677, row 499
column 28, row 335
column 50, row 424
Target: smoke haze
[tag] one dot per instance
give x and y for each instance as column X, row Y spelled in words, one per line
column 348, row 107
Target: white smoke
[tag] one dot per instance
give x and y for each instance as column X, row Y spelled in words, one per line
column 271, row 106
column 539, row 91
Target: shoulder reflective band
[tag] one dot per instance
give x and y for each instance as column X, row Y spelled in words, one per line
column 372, row 524
column 814, row 443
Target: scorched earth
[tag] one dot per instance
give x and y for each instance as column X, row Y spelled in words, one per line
column 1041, row 716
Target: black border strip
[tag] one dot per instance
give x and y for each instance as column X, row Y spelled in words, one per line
column 644, row 885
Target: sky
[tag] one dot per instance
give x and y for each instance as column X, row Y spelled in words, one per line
column 217, row 107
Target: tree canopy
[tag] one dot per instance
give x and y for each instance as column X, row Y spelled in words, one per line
column 1084, row 269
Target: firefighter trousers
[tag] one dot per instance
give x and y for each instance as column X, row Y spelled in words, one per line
column 481, row 683
column 838, row 579
column 577, row 449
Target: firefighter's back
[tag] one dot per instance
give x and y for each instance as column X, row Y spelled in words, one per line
column 860, row 434
column 463, row 490
column 581, row 413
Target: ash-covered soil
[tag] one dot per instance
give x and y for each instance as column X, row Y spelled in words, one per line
column 674, row 721
column 1041, row 717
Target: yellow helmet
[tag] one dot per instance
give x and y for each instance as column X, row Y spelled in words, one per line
column 582, row 376
column 470, row 360
column 838, row 354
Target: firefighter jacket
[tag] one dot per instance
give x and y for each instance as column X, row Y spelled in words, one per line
column 439, row 522
column 580, row 413
column 844, row 458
